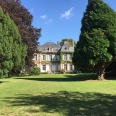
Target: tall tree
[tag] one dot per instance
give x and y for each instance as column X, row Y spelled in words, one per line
column 96, row 47
column 23, row 20
column 12, row 50
column 71, row 41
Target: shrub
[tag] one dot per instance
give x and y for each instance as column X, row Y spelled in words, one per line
column 44, row 72
column 35, row 71
column 62, row 71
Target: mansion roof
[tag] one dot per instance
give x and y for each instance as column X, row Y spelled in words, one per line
column 55, row 48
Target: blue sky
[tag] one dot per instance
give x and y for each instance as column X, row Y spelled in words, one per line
column 58, row 19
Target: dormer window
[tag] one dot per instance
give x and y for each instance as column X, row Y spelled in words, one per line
column 66, row 48
column 50, row 49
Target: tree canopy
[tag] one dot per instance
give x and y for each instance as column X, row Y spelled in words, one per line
column 71, row 41
column 23, row 19
column 12, row 50
column 96, row 47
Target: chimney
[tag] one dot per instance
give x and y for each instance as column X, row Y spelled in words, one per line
column 73, row 43
column 65, row 42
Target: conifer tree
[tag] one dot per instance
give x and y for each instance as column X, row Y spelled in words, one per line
column 23, row 19
column 12, row 50
column 96, row 47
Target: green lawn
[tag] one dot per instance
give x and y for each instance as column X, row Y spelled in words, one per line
column 57, row 95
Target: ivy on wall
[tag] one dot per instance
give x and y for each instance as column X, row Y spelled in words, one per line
column 46, row 62
column 61, row 57
column 49, row 62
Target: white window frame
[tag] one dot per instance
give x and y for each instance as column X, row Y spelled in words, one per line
column 70, row 57
column 44, row 57
column 50, row 67
column 44, row 67
column 65, row 57
column 50, row 57
column 35, row 57
column 65, row 66
column 70, row 67
column 56, row 67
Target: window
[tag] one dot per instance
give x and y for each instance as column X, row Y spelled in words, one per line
column 70, row 57
column 65, row 56
column 44, row 67
column 56, row 67
column 70, row 66
column 54, row 58
column 35, row 57
column 50, row 67
column 44, row 57
column 50, row 49
column 57, row 57
column 66, row 48
column 50, row 57
column 65, row 66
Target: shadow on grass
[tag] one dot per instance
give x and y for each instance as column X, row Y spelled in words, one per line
column 68, row 103
column 3, row 82
column 66, row 78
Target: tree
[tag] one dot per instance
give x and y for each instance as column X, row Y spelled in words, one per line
column 12, row 50
column 23, row 19
column 71, row 41
column 35, row 71
column 96, row 47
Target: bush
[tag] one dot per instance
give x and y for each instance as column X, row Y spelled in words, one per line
column 35, row 71
column 44, row 72
column 62, row 71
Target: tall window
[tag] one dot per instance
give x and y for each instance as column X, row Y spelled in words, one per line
column 44, row 57
column 50, row 57
column 35, row 57
column 56, row 67
column 70, row 66
column 65, row 66
column 54, row 58
column 70, row 57
column 57, row 58
column 44, row 67
column 65, row 56
column 50, row 67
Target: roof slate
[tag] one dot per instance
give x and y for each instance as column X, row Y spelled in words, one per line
column 52, row 47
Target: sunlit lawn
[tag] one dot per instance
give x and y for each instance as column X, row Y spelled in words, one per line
column 57, row 95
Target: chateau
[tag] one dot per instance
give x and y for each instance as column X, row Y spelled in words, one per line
column 53, row 57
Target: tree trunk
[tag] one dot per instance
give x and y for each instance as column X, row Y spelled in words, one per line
column 100, row 73
column 100, row 68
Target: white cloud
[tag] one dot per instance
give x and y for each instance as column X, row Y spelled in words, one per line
column 43, row 16
column 49, row 21
column 68, row 14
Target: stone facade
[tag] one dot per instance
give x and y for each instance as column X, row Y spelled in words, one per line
column 52, row 57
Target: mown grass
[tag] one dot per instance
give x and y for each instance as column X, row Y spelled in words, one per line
column 57, row 95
